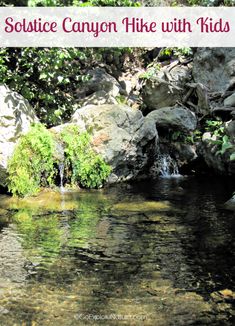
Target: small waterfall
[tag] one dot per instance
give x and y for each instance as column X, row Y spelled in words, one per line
column 167, row 166
column 61, row 170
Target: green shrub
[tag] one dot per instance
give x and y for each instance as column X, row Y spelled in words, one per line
column 47, row 78
column 82, row 165
column 222, row 141
column 32, row 162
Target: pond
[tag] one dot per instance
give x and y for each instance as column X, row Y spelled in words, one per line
column 149, row 253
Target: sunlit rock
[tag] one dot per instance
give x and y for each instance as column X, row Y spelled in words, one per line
column 121, row 135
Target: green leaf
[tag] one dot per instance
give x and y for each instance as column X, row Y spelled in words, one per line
column 43, row 75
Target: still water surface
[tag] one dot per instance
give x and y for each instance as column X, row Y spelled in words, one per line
column 149, row 253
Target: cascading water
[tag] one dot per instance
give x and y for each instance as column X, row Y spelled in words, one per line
column 167, row 166
column 61, row 170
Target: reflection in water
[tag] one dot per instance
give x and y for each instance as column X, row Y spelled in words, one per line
column 148, row 254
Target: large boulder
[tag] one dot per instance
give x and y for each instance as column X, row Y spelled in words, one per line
column 99, row 80
column 174, row 118
column 121, row 135
column 16, row 116
column 215, row 68
column 98, row 98
column 166, row 88
column 230, row 100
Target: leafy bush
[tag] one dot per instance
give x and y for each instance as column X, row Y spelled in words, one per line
column 78, row 3
column 82, row 165
column 47, row 77
column 32, row 162
column 224, row 145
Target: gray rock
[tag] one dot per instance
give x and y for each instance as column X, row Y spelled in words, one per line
column 230, row 101
column 166, row 88
column 176, row 118
column 230, row 129
column 230, row 204
column 215, row 68
column 98, row 98
column 102, row 81
column 16, row 116
column 184, row 153
column 120, row 134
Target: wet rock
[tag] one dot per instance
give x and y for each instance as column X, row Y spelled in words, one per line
column 230, row 101
column 176, row 118
column 167, row 87
column 121, row 135
column 184, row 153
column 215, row 68
column 16, row 116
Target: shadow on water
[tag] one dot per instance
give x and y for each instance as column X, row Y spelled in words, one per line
column 148, row 253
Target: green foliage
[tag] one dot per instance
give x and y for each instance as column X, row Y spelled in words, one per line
column 216, row 128
column 176, row 51
column 32, row 162
column 151, row 71
column 46, row 77
column 43, row 3
column 225, row 145
column 78, row 3
column 49, row 78
column 121, row 99
column 211, row 3
column 87, row 168
column 179, row 136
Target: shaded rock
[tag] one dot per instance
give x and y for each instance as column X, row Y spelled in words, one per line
column 224, row 112
column 230, row 129
column 215, row 68
column 176, row 118
column 230, row 204
column 121, row 135
column 16, row 116
column 230, row 101
column 167, row 88
column 184, row 153
column 100, row 80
